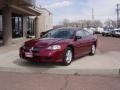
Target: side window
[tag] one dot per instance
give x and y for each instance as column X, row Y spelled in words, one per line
column 80, row 33
column 86, row 33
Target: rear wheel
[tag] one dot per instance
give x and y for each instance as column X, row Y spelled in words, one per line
column 68, row 56
column 93, row 50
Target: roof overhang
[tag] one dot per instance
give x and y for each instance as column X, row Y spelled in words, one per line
column 24, row 7
column 30, row 11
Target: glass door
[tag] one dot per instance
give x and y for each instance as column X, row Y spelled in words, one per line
column 17, row 26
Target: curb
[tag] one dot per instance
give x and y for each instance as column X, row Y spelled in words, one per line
column 63, row 71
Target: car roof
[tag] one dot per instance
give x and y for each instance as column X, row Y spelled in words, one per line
column 71, row 28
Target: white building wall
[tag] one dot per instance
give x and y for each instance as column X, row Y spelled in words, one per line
column 43, row 22
column 46, row 19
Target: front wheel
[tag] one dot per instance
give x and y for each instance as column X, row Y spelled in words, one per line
column 68, row 56
column 93, row 50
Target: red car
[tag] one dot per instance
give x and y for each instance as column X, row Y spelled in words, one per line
column 59, row 45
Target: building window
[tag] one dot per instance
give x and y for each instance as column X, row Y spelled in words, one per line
column 17, row 26
column 31, row 26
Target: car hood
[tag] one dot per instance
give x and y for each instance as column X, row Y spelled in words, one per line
column 44, row 42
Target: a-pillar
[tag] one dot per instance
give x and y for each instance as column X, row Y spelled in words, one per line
column 7, row 26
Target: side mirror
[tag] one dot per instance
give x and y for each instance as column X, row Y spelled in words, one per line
column 77, row 37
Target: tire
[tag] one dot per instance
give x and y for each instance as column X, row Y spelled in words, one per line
column 93, row 50
column 68, row 56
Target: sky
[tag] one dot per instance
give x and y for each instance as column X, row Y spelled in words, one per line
column 80, row 9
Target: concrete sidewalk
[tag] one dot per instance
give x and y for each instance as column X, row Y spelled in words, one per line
column 16, row 43
column 102, row 64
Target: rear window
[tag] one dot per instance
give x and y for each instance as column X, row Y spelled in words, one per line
column 87, row 33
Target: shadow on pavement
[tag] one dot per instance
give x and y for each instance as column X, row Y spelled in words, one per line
column 25, row 63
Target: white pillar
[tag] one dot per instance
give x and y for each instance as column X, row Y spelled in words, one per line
column 25, row 26
column 38, row 28
column 7, row 26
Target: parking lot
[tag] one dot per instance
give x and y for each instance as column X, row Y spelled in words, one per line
column 106, row 60
column 108, row 44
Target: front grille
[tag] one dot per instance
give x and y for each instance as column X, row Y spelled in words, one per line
column 37, row 48
column 27, row 49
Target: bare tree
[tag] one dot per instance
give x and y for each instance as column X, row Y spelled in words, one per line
column 97, row 23
column 110, row 23
column 82, row 23
column 66, row 22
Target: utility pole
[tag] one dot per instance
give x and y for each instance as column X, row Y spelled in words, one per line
column 92, row 14
column 92, row 17
column 118, row 13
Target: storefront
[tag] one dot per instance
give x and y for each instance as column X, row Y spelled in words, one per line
column 31, row 26
column 14, row 19
column 21, row 17
column 17, row 26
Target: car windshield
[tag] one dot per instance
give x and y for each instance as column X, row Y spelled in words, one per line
column 59, row 33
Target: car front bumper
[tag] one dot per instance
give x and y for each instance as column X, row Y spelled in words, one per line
column 43, row 55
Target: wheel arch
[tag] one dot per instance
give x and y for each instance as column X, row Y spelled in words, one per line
column 72, row 47
column 95, row 43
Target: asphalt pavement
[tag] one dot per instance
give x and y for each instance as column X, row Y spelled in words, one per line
column 27, row 81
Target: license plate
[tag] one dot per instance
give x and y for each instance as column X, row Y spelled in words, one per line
column 28, row 54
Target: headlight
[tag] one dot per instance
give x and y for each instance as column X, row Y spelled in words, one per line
column 54, row 47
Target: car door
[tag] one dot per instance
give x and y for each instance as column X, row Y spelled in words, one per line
column 88, row 39
column 80, row 44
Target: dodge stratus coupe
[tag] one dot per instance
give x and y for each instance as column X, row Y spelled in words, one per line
column 59, row 45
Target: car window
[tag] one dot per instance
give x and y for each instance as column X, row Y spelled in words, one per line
column 80, row 33
column 87, row 33
column 118, row 30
